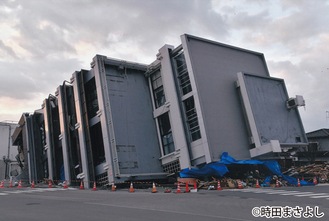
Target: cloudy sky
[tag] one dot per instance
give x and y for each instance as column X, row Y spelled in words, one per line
column 43, row 42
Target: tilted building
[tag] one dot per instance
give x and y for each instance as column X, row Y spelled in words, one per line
column 124, row 121
column 8, row 163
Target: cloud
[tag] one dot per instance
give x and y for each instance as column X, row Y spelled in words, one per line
column 6, row 51
column 44, row 42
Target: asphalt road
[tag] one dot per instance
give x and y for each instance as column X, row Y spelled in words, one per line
column 45, row 204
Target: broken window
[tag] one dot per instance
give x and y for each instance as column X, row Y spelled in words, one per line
column 158, row 92
column 192, row 119
column 166, row 134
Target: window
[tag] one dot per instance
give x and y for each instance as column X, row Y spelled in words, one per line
column 158, row 92
column 182, row 74
column 91, row 98
column 166, row 134
column 192, row 119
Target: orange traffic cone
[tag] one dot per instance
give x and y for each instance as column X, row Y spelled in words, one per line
column 32, row 184
column 19, row 184
column 298, row 183
column 94, row 187
column 81, row 186
column 187, row 189
column 50, row 184
column 131, row 188
column 240, row 184
column 315, row 181
column 113, row 187
column 277, row 183
column 218, row 185
column 178, row 188
column 257, row 184
column 65, row 185
column 10, row 184
column 2, row 184
column 195, row 187
column 154, row 189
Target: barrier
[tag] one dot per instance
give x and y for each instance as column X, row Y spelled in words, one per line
column 195, row 187
column 187, row 189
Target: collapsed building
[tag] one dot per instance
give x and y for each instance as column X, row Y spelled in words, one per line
column 8, row 163
column 123, row 121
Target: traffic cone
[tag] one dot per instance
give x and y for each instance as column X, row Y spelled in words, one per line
column 195, row 187
column 131, row 188
column 298, row 183
column 257, row 184
column 154, row 189
column 113, row 187
column 277, row 183
column 32, row 184
column 240, row 184
column 81, row 186
column 65, row 185
column 94, row 187
column 2, row 184
column 315, row 181
column 218, row 185
column 187, row 189
column 10, row 184
column 50, row 184
column 178, row 188
column 19, row 184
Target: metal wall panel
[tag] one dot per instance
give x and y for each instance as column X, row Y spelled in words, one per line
column 214, row 68
column 134, row 127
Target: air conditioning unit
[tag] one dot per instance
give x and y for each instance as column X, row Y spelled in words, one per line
column 294, row 102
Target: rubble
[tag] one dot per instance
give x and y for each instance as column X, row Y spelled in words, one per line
column 320, row 171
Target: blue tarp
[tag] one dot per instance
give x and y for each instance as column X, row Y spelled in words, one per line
column 219, row 169
column 212, row 169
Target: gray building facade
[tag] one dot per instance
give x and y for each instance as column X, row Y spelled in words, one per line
column 8, row 163
column 124, row 121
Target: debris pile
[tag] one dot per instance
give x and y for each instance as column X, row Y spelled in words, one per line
column 226, row 183
column 320, row 171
